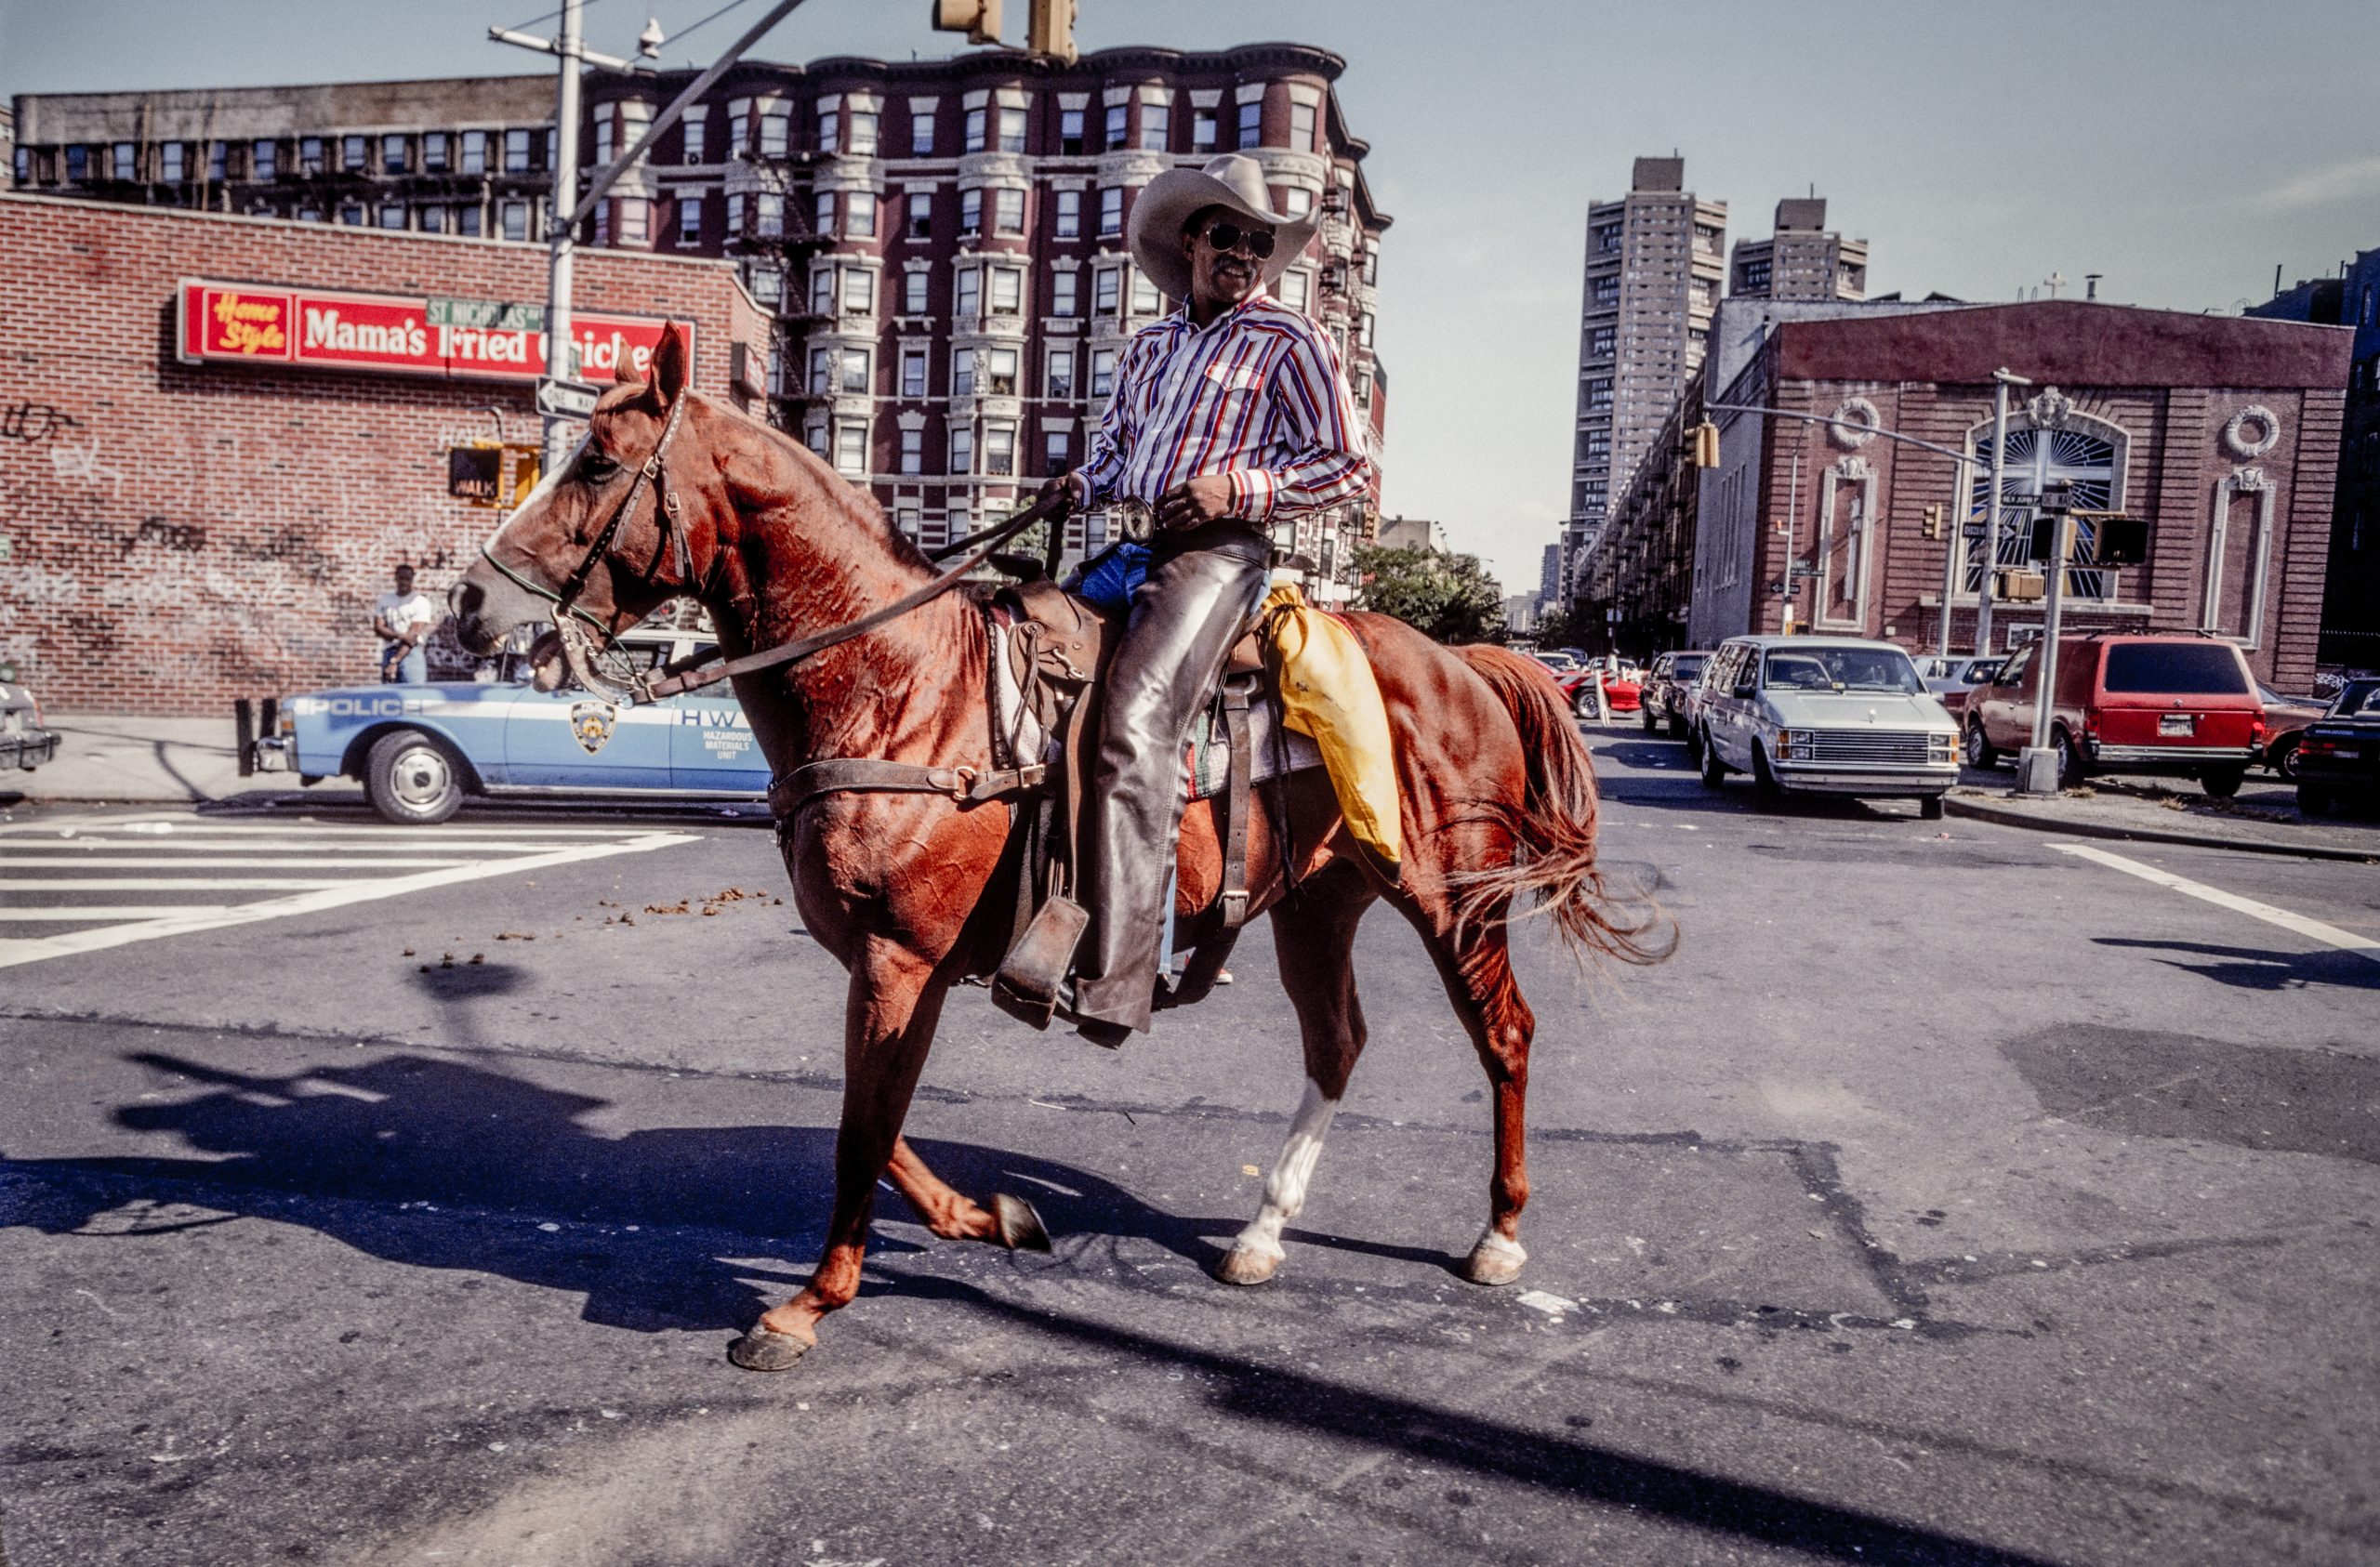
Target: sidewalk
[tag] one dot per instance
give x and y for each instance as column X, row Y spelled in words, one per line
column 2263, row 821
column 122, row 756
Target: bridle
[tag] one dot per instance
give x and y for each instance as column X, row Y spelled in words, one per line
column 697, row 670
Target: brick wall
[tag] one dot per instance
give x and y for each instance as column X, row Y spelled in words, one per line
column 177, row 535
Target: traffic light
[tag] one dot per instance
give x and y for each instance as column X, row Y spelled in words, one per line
column 1050, row 30
column 1706, row 445
column 2041, row 539
column 2122, row 541
column 1933, row 521
column 980, row 20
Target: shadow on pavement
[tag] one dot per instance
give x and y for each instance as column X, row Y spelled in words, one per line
column 2261, row 967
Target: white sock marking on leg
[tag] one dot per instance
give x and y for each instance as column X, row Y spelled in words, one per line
column 1285, row 1190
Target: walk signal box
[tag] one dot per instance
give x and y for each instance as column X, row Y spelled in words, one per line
column 980, row 20
column 2122, row 541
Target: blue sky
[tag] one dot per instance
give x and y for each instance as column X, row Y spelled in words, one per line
column 2180, row 147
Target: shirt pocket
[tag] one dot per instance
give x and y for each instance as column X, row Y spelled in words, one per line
column 1234, row 377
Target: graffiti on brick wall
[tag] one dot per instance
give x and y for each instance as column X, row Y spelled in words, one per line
column 34, row 422
column 185, row 538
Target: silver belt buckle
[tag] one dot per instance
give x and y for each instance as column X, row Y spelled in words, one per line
column 1135, row 519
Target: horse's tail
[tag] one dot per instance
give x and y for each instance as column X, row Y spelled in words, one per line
column 1553, row 829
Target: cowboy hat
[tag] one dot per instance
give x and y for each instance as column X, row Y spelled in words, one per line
column 1235, row 182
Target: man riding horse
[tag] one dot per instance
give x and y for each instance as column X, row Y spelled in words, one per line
column 1228, row 416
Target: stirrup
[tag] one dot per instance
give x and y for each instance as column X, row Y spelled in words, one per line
column 1026, row 985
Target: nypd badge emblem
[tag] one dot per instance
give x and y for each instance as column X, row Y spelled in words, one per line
column 590, row 722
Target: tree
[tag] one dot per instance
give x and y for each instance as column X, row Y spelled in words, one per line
column 1564, row 628
column 1450, row 597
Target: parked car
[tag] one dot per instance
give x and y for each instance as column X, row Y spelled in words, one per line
column 1824, row 715
column 24, row 743
column 1951, row 677
column 420, row 749
column 2286, row 718
column 1662, row 695
column 2338, row 757
column 1620, row 695
column 2128, row 702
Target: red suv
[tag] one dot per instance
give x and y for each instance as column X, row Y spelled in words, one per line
column 2128, row 703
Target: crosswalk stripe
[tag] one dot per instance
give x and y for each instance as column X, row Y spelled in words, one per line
column 341, row 830
column 2313, row 930
column 9, row 861
column 319, row 894
column 74, row 913
column 172, row 884
column 252, row 846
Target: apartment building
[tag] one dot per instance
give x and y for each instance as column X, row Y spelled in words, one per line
column 1803, row 259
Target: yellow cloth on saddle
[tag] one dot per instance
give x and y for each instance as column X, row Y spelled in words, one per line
column 1328, row 692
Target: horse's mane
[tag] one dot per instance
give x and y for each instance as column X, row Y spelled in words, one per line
column 859, row 507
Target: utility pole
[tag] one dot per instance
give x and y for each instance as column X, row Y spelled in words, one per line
column 2002, row 380
column 2037, row 769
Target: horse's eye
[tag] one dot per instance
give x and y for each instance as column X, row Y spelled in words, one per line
column 596, row 467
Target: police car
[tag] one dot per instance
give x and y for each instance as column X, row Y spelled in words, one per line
column 418, row 750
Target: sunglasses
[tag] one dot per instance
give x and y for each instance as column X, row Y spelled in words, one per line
column 1231, row 236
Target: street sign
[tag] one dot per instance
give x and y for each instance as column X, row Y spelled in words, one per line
column 566, row 399
column 490, row 315
column 2020, row 500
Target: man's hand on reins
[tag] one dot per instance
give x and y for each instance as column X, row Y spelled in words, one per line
column 1196, row 502
column 1065, row 489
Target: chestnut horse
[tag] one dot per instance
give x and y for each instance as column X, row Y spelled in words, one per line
column 1495, row 785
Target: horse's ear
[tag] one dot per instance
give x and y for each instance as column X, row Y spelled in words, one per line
column 669, row 365
column 624, row 369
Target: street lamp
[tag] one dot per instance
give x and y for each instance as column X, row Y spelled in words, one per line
column 2001, row 381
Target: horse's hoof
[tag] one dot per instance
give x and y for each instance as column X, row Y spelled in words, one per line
column 1021, row 1228
column 1246, row 1265
column 1495, row 1260
column 762, row 1350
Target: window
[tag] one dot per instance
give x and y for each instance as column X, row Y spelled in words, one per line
column 516, row 151
column 1145, row 296
column 851, row 447
column 351, row 214
column 1117, row 115
column 913, row 294
column 1103, row 372
column 1157, row 120
column 1251, row 123
column 859, row 291
column 1706, row 238
column 1063, row 300
column 602, row 141
column 1295, row 289
column 433, row 221
column 999, row 448
column 1008, row 212
column 969, row 297
column 1111, row 211
column 1753, row 275
column 1594, row 445
column 974, row 137
column 855, row 372
column 767, row 215
column 1297, row 201
column 830, row 126
column 1599, row 392
column 962, row 372
column 433, row 151
column 553, row 147
column 690, row 219
column 122, row 161
column 1061, row 379
column 78, row 163
column 636, row 220
column 822, row 370
column 822, row 292
column 1069, row 220
column 691, row 132
column 1070, row 132
column 1607, row 240
column 920, row 215
column 1600, row 342
column 1607, row 290
column 735, row 214
column 1203, row 130
column 1012, row 128
column 920, row 133
column 962, row 450
column 392, row 215
column 913, row 369
column 1000, row 374
column 1371, row 265
column 739, row 127
column 354, row 153
column 474, row 152
column 815, row 439
column 822, row 221
column 467, row 221
column 970, row 212
column 1364, row 332
column 515, row 216
column 1302, row 118
column 218, row 162
column 864, row 131
column 172, row 159
column 1008, row 290
column 1104, row 291
column 395, row 155
column 263, row 158
column 776, row 129
column 1055, row 445
column 310, row 154
column 913, row 456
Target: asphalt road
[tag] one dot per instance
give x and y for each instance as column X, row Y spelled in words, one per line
column 1951, row 1197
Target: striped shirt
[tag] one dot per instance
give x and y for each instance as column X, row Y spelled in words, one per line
column 1259, row 395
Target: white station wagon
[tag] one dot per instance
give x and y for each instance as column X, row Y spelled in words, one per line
column 1824, row 715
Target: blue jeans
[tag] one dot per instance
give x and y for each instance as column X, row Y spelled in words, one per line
column 403, row 664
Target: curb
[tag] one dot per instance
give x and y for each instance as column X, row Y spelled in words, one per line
column 1976, row 810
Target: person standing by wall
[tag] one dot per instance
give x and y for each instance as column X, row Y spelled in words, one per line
column 404, row 620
